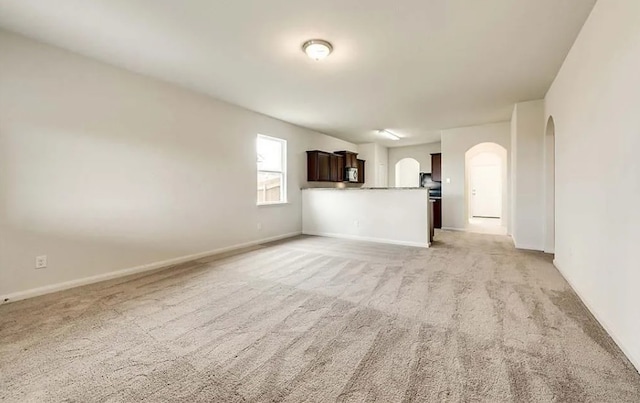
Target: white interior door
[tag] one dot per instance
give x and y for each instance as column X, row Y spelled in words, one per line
column 486, row 191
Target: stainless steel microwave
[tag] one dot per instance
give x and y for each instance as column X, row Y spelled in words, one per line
column 351, row 174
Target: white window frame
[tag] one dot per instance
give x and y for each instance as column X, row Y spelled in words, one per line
column 283, row 189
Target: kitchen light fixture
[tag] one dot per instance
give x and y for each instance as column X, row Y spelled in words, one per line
column 317, row 49
column 388, row 134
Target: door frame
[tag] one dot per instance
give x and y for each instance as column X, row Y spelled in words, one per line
column 501, row 152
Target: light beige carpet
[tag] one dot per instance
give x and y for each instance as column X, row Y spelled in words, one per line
column 321, row 320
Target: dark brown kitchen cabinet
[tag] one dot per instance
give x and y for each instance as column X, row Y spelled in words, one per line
column 432, row 227
column 436, row 175
column 437, row 213
column 340, row 164
column 350, row 158
column 323, row 166
column 436, row 167
column 353, row 161
column 360, row 166
column 336, row 172
column 318, row 166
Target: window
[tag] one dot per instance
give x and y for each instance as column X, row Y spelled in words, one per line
column 272, row 167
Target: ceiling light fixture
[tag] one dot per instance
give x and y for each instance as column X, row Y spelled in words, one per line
column 317, row 49
column 388, row 134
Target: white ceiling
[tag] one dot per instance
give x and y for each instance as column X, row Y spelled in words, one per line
column 413, row 66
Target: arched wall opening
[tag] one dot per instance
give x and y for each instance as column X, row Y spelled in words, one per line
column 486, row 190
column 407, row 173
column 550, row 185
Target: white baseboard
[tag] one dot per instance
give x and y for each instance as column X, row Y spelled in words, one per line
column 454, row 229
column 472, row 231
column 367, row 239
column 528, row 247
column 48, row 289
column 635, row 361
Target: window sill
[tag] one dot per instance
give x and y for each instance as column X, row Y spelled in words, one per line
column 272, row 204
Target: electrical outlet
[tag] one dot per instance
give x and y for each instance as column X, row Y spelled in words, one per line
column 356, row 223
column 259, row 226
column 41, row 262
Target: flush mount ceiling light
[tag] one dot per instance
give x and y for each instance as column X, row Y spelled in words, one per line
column 317, row 49
column 388, row 134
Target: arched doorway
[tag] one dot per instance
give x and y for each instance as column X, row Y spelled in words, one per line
column 486, row 193
column 407, row 173
column 550, row 186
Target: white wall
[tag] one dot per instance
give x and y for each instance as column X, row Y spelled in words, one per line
column 549, row 187
column 421, row 153
column 382, row 167
column 455, row 143
column 528, row 201
column 102, row 169
column 595, row 104
column 376, row 159
column 513, row 170
column 396, row 216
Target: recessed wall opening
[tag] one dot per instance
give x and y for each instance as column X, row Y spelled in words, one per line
column 407, row 173
column 485, row 188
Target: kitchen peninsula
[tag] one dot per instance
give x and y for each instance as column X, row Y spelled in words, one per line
column 398, row 216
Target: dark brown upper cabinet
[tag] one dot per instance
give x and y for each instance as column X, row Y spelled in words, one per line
column 323, row 166
column 335, row 168
column 318, row 166
column 436, row 167
column 340, row 169
column 360, row 164
column 350, row 158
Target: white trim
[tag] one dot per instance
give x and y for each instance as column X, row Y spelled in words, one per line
column 367, row 239
column 635, row 361
column 271, row 204
column 454, row 229
column 284, row 193
column 47, row 289
column 527, row 247
column 476, row 232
